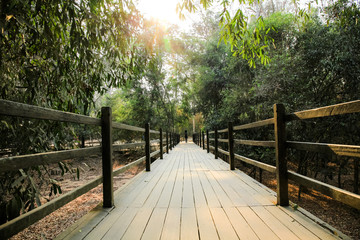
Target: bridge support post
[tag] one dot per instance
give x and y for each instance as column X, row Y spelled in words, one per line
column 200, row 139
column 107, row 161
column 203, row 136
column 170, row 141
column 280, row 149
column 147, row 146
column 167, row 142
column 231, row 145
column 216, row 144
column 207, row 141
column 161, row 144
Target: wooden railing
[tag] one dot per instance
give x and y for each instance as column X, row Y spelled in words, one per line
column 280, row 144
column 107, row 147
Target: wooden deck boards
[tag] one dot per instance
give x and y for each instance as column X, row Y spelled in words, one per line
column 191, row 195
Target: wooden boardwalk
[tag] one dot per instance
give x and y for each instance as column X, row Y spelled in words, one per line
column 191, row 195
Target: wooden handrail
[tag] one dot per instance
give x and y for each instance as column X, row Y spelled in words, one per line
column 9, row 108
column 333, row 110
column 280, row 144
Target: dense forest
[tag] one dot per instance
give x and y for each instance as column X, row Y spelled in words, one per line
column 78, row 56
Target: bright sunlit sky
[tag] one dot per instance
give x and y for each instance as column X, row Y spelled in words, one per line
column 165, row 11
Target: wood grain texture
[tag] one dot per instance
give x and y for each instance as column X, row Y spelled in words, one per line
column 333, row 110
column 9, row 108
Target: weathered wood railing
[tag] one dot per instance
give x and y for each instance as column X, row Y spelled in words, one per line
column 281, row 144
column 107, row 147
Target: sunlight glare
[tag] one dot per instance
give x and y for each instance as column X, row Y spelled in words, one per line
column 163, row 10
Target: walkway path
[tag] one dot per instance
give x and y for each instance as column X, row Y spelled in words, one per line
column 191, row 195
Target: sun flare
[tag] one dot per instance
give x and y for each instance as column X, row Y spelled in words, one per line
column 163, row 10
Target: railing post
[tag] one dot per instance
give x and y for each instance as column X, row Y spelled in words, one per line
column 216, row 144
column 107, row 162
column 203, row 136
column 200, row 139
column 280, row 149
column 167, row 142
column 207, row 141
column 147, row 146
column 231, row 145
column 170, row 143
column 161, row 144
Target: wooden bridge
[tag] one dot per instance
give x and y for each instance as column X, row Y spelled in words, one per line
column 189, row 192
column 191, row 195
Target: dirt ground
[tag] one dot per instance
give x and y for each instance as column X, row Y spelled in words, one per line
column 340, row 216
column 58, row 221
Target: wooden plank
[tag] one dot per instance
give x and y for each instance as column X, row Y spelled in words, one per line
column 188, row 195
column 222, row 224
column 9, row 108
column 17, row 224
column 206, row 225
column 255, row 143
column 337, row 109
column 115, row 225
column 189, row 229
column 25, row 161
column 308, row 223
column 137, row 226
column 338, row 194
column 299, row 230
column 255, row 124
column 171, row 229
column 258, row 164
column 199, row 196
column 155, row 225
column 211, row 132
column 176, row 196
column 140, row 199
column 256, row 190
column 166, row 194
column 220, row 193
column 274, row 224
column 84, row 225
column 261, row 229
column 226, row 181
column 210, row 195
column 338, row 149
column 242, row 228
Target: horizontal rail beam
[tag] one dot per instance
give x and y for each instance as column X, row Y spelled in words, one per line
column 338, row 194
column 211, row 139
column 16, row 225
column 131, row 128
column 255, row 163
column 338, row 149
column 223, row 151
column 255, row 124
column 9, row 108
column 127, row 127
column 211, row 132
column 223, row 140
column 223, row 130
column 25, row 161
column 255, row 143
column 337, row 109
